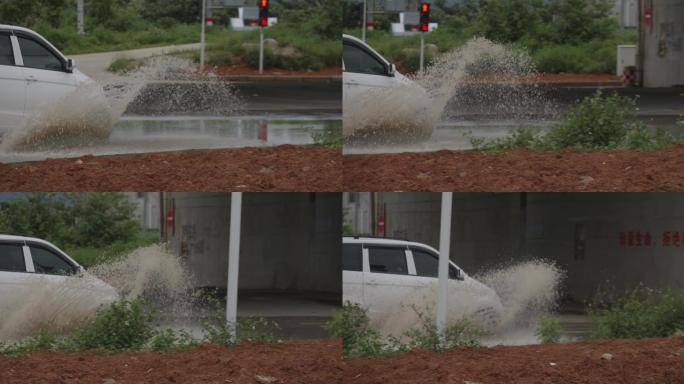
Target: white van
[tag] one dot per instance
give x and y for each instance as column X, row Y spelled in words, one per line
column 378, row 273
column 28, row 262
column 33, row 73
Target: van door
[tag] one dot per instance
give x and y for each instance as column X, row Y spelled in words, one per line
column 12, row 86
column 48, row 265
column 387, row 280
column 352, row 274
column 362, row 72
column 13, row 275
column 44, row 71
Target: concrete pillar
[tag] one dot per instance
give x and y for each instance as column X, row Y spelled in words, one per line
column 662, row 43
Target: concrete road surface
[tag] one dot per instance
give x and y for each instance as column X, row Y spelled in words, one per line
column 95, row 64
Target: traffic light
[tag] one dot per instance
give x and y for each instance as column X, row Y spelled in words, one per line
column 263, row 13
column 424, row 16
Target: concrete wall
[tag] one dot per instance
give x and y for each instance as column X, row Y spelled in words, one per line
column 583, row 233
column 356, row 211
column 663, row 45
column 289, row 241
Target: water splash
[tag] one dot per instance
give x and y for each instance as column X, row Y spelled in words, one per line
column 481, row 76
column 507, row 313
column 85, row 116
column 60, row 305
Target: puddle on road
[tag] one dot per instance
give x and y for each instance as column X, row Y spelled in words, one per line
column 451, row 135
column 141, row 134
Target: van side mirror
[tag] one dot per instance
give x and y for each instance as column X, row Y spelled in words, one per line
column 459, row 275
column 392, row 70
column 69, row 66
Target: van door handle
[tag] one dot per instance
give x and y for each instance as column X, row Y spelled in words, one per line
column 31, row 79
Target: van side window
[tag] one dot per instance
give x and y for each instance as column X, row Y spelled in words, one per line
column 388, row 260
column 37, row 56
column 352, row 258
column 427, row 264
column 49, row 263
column 356, row 60
column 12, row 258
column 6, row 53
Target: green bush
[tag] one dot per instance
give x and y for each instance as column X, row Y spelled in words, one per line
column 642, row 313
column 457, row 334
column 258, row 330
column 549, row 330
column 597, row 122
column 124, row 325
column 351, row 324
column 167, row 340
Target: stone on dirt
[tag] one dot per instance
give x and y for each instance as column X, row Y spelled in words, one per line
column 607, row 356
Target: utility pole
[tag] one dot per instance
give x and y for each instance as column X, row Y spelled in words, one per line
column 365, row 20
column 202, row 39
column 79, row 17
column 233, row 263
column 443, row 266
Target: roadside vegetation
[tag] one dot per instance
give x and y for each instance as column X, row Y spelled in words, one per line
column 641, row 313
column 598, row 122
column 306, row 37
column 109, row 25
column 129, row 325
column 352, row 325
column 575, row 36
column 91, row 227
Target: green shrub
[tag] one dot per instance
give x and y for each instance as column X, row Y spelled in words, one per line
column 597, row 122
column 642, row 313
column 259, row 330
column 351, row 324
column 167, row 340
column 124, row 325
column 122, row 65
column 549, row 330
column 457, row 334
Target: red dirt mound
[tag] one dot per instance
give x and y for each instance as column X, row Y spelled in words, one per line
column 282, row 168
column 518, row 170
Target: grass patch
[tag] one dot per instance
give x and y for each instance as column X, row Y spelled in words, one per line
column 89, row 256
column 598, row 122
column 352, row 325
column 642, row 313
column 123, row 65
column 329, row 137
column 101, row 39
column 295, row 51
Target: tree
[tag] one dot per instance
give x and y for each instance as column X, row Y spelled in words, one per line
column 72, row 219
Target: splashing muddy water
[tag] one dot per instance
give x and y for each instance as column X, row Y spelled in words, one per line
column 59, row 304
column 507, row 314
column 480, row 73
column 84, row 117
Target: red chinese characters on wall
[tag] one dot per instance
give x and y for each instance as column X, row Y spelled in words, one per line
column 668, row 238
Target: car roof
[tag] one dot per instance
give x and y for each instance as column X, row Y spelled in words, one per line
column 22, row 239
column 365, row 46
column 14, row 28
column 8, row 27
column 384, row 241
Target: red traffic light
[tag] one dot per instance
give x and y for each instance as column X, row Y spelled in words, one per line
column 424, row 17
column 263, row 13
